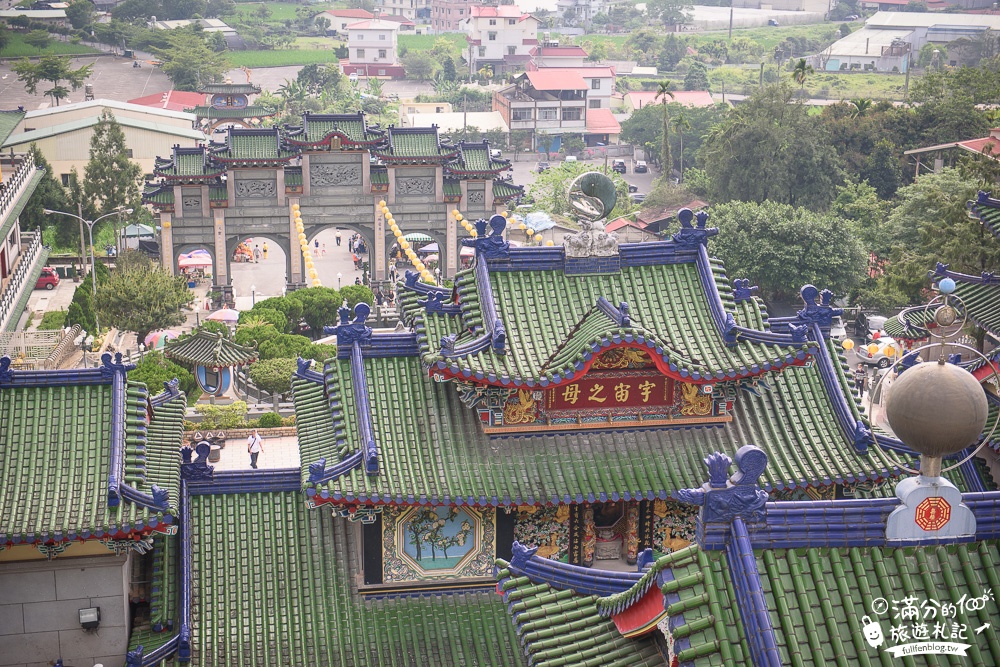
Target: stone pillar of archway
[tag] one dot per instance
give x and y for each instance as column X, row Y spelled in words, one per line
column 451, row 252
column 379, row 253
column 294, row 253
column 489, row 196
column 167, row 242
column 221, row 253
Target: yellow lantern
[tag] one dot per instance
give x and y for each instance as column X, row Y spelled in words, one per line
column 549, row 243
column 459, row 217
column 404, row 244
column 848, row 344
column 302, row 237
column 166, row 224
column 295, row 207
column 410, row 253
column 890, row 351
column 474, row 233
column 300, row 228
column 455, row 212
column 505, row 214
column 529, row 231
column 872, row 349
column 521, row 226
column 381, row 203
column 420, row 266
column 538, row 238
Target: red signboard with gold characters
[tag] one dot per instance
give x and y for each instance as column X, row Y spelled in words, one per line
column 612, row 390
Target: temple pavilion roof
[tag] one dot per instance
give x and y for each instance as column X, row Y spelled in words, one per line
column 505, row 192
column 980, row 294
column 910, row 325
column 415, row 145
column 474, row 161
column 85, row 454
column 987, row 209
column 252, row 147
column 296, row 568
column 188, row 165
column 210, row 349
column 230, row 89
column 320, row 129
column 215, row 113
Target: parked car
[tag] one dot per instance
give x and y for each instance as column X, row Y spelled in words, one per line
column 496, row 153
column 773, row 22
column 853, row 17
column 632, row 188
column 542, row 166
column 640, row 167
column 880, row 359
column 48, row 279
column 838, row 331
column 570, row 158
column 619, row 166
column 637, row 197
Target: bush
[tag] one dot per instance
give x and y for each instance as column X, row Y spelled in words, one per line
column 355, row 294
column 52, row 320
column 215, row 327
column 288, row 421
column 270, row 420
column 258, row 316
column 155, row 369
column 290, row 308
column 273, row 375
column 223, row 416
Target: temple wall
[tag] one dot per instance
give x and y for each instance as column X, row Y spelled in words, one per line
column 673, row 525
column 544, row 527
column 421, row 543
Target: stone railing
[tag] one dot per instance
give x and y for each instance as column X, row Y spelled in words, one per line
column 13, row 186
column 237, row 433
column 16, row 283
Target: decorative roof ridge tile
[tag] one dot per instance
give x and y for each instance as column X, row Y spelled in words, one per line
column 616, row 603
column 563, row 576
column 210, row 348
column 987, row 209
column 750, row 599
column 58, row 378
column 942, row 271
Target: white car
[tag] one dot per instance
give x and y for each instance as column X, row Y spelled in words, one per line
column 570, row 158
column 838, row 331
column 495, row 153
column 880, row 358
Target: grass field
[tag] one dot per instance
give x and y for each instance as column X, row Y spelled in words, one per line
column 767, row 37
column 280, row 11
column 823, row 85
column 16, row 48
column 309, row 50
column 421, row 42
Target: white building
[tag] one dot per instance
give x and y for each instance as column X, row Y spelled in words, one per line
column 500, row 36
column 415, row 10
column 372, row 49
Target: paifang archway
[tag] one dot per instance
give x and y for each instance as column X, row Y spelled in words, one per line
column 337, row 170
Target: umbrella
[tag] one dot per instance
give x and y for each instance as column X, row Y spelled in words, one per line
column 430, row 247
column 157, row 339
column 194, row 262
column 431, row 258
column 228, row 315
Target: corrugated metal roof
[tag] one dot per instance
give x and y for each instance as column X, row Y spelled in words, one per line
column 83, row 123
column 901, row 20
column 867, row 42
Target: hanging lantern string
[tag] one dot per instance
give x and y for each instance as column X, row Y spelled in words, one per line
column 404, row 245
column 304, row 246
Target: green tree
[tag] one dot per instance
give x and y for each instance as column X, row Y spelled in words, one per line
column 801, row 73
column 55, row 70
column 48, row 194
column 669, row 12
column 80, row 13
column 771, row 148
column 255, row 335
column 448, row 69
column 111, row 180
column 697, row 77
column 318, row 78
column 859, row 204
column 287, row 306
column 882, row 169
column 287, row 346
column 259, row 315
column 419, row 65
column 355, row 294
column 143, row 299
column 680, row 123
column 188, row 60
column 273, row 375
column 38, row 39
column 4, row 37
column 154, row 369
column 550, row 187
column 319, row 307
column 663, row 91
column 780, row 248
column 572, row 143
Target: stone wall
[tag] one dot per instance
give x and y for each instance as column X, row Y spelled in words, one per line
column 39, row 611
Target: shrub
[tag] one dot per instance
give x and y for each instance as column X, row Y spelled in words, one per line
column 52, row 320
column 270, row 420
column 155, row 369
column 223, row 416
column 215, row 327
column 288, row 421
column 272, row 375
column 259, row 316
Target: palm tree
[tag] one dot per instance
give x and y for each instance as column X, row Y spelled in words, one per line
column 680, row 122
column 662, row 93
column 801, row 72
column 861, row 106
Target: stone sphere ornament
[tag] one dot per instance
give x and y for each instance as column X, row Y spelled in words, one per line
column 592, row 195
column 946, row 286
column 937, row 408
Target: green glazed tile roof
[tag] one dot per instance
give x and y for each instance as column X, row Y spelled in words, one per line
column 474, row 161
column 154, row 193
column 318, row 128
column 504, row 191
column 279, row 590
column 212, row 113
column 207, row 348
column 187, row 163
column 432, row 446
column 452, row 188
column 987, row 210
column 259, row 146
column 55, row 458
column 230, row 89
column 415, row 144
column 293, row 176
column 982, row 303
column 379, row 175
column 216, row 193
column 817, row 597
column 666, row 304
column 9, row 121
column 564, row 628
column 911, row 326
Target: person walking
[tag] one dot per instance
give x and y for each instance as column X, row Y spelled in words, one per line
column 324, row 250
column 255, row 446
column 316, row 247
column 861, row 379
column 338, row 237
column 265, row 251
column 256, row 253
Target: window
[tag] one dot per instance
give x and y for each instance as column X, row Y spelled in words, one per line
column 65, row 180
column 360, row 36
column 493, row 21
column 511, row 50
column 520, row 114
column 492, row 36
column 382, row 37
column 381, row 72
column 595, row 104
column 511, row 21
column 482, row 51
column 361, row 53
column 461, row 12
column 128, row 152
column 381, row 53
column 573, row 113
column 595, row 84
column 547, row 114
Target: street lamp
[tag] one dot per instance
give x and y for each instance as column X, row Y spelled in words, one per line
column 90, row 232
column 253, row 296
column 339, row 276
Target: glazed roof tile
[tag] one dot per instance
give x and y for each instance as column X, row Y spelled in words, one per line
column 379, row 175
column 415, row 144
column 230, row 89
column 188, row 164
column 293, row 176
column 504, row 191
column 280, row 589
column 979, row 294
column 910, row 325
column 55, row 446
column 211, row 349
column 8, row 121
column 432, row 448
column 987, row 209
column 156, row 193
column 213, row 113
column 667, row 304
column 474, row 160
column 319, row 128
column 257, row 146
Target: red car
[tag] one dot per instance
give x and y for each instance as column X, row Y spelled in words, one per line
column 48, row 279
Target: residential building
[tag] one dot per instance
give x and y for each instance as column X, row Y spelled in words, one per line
column 552, row 102
column 54, row 17
column 557, row 56
column 63, row 133
column 583, row 11
column 935, row 158
column 501, row 37
column 638, row 99
column 405, row 24
column 341, row 18
column 449, row 15
column 414, row 10
column 372, row 49
column 409, row 107
column 890, row 40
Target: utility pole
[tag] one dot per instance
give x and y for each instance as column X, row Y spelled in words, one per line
column 731, row 19
column 83, row 247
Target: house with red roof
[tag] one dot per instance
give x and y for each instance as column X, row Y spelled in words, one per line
column 557, row 56
column 341, row 18
column 171, row 100
column 372, row 49
column 934, row 157
column 500, row 37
